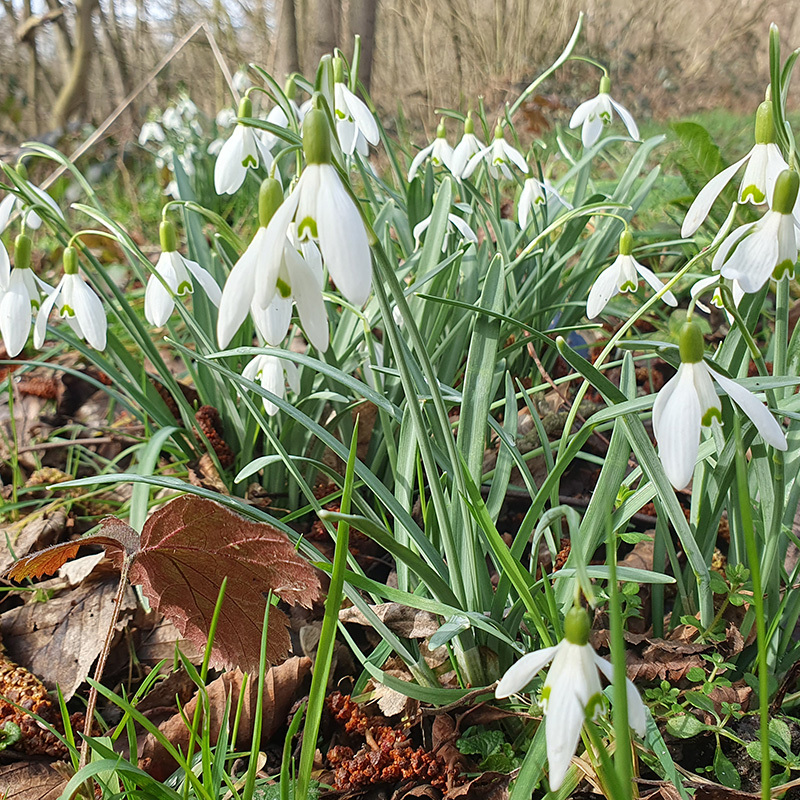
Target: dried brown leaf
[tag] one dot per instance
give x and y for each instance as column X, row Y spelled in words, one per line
column 189, row 545
column 30, row 781
column 410, row 623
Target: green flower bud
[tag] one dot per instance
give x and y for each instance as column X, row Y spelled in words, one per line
column 70, row 261
column 469, row 125
column 625, row 243
column 316, row 137
column 765, row 129
column 498, row 131
column 338, row 70
column 691, row 344
column 441, row 131
column 785, row 194
column 245, row 107
column 22, row 251
column 290, row 87
column 577, row 626
column 168, row 236
column 270, row 196
column 605, row 85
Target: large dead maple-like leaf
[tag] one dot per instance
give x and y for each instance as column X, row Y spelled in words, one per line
column 186, row 548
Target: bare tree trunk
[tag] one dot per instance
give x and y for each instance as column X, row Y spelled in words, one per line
column 323, row 18
column 287, row 58
column 362, row 23
column 73, row 94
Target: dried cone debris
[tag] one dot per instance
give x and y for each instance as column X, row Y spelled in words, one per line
column 386, row 756
column 24, row 689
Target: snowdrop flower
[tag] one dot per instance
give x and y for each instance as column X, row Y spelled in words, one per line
column 453, row 221
column 240, row 81
column 469, row 145
column 536, row 193
column 273, row 374
column 321, row 210
column 498, row 156
column 299, row 280
column 439, row 152
column 572, row 691
column 595, row 113
column 764, row 164
column 177, row 273
column 19, row 295
column 754, row 252
column 77, row 303
column 688, row 401
column 621, row 277
column 32, row 219
column 172, row 120
column 352, row 115
column 151, row 131
column 225, row 117
column 244, row 149
column 699, row 288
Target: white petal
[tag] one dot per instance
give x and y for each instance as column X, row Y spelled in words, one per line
column 15, row 318
column 310, row 304
column 626, row 118
column 676, row 422
column 420, row 228
column 273, row 381
column 699, row 209
column 474, row 161
column 292, row 375
column 273, row 244
column 524, row 671
column 89, row 312
column 591, row 130
column 5, row 267
column 729, row 243
column 206, row 280
column 238, row 292
column 756, row 256
column 6, row 207
column 655, row 283
column 637, row 714
column 229, row 174
column 464, row 150
column 514, row 155
column 603, row 289
column 347, row 132
column 274, row 320
column 362, row 116
column 158, row 301
column 442, row 153
column 582, row 112
column 42, row 317
column 710, row 406
column 758, row 413
column 463, row 228
column 418, row 159
column 343, row 239
column 753, row 188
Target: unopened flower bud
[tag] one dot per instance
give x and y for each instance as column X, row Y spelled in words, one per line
column 765, row 129
column 691, row 344
column 316, row 137
column 626, row 243
column 167, row 236
column 785, row 194
column 605, row 85
column 70, row 261
column 245, row 107
column 22, row 251
column 577, row 626
column 270, row 196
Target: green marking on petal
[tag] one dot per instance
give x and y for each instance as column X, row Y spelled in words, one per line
column 594, row 706
column 249, row 161
column 786, row 267
column 606, row 117
column 710, row 416
column 307, row 228
column 283, row 288
column 628, row 286
column 752, row 191
column 546, row 694
column 184, row 287
column 67, row 311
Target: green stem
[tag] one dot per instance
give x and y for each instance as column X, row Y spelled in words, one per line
column 746, row 518
column 622, row 732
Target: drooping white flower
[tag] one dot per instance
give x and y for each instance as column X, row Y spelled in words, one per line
column 19, row 295
column 321, row 210
column 622, row 276
column 242, row 151
column 453, row 221
column 177, row 273
column 439, row 152
column 352, row 116
column 754, row 252
column 572, row 692
column 76, row 302
column 32, row 219
column 151, row 131
column 764, row 164
column 595, row 113
column 699, row 288
column 299, row 281
column 537, row 193
column 273, row 374
column 469, row 145
column 688, row 401
column 499, row 155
